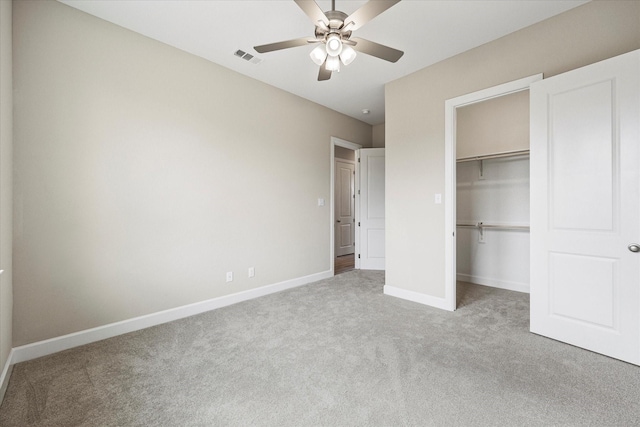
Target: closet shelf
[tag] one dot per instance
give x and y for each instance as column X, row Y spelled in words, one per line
column 499, row 155
column 482, row 225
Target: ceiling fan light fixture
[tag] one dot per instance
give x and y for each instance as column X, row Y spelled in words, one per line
column 333, row 30
column 348, row 55
column 334, row 45
column 318, row 55
column 333, row 64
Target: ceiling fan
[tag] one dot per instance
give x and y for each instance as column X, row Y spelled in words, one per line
column 333, row 32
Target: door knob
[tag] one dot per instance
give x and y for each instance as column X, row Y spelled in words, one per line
column 634, row 247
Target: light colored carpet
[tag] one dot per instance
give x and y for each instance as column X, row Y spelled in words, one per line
column 334, row 353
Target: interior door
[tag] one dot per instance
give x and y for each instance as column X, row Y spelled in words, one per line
column 345, row 207
column 585, row 216
column 372, row 243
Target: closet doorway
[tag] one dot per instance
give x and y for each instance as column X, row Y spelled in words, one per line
column 487, row 189
column 492, row 193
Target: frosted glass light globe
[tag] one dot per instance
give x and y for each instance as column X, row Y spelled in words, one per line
column 334, row 45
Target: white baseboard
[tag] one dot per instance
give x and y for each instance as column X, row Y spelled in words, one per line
column 65, row 342
column 416, row 297
column 6, row 373
column 494, row 283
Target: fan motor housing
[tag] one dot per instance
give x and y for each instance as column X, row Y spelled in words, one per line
column 336, row 18
column 336, row 22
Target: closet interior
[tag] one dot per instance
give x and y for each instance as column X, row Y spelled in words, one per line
column 492, row 192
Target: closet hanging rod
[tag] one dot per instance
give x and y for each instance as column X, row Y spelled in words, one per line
column 482, row 225
column 494, row 156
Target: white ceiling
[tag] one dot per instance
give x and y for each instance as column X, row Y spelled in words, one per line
column 427, row 31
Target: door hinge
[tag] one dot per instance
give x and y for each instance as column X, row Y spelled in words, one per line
column 358, row 159
column 358, row 256
column 358, row 223
column 358, row 191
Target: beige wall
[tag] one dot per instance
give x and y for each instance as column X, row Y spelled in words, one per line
column 415, row 122
column 378, row 136
column 6, row 143
column 143, row 174
column 344, row 153
column 493, row 126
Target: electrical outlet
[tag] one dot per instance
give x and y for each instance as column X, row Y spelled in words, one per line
column 229, row 276
column 252, row 271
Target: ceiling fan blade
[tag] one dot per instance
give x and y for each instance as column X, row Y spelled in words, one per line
column 303, row 41
column 379, row 51
column 367, row 12
column 313, row 11
column 324, row 74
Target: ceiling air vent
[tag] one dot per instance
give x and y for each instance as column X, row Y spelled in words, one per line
column 247, row 56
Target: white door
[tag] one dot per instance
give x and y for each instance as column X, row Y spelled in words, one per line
column 345, row 207
column 372, row 208
column 585, row 162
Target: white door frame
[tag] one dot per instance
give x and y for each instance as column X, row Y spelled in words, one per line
column 332, row 216
column 450, row 106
